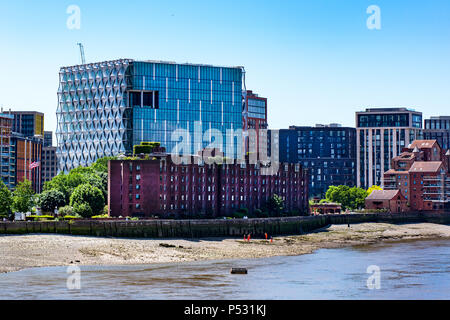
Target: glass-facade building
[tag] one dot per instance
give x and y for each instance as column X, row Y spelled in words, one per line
column 381, row 135
column 254, row 118
column 105, row 108
column 7, row 152
column 438, row 128
column 327, row 151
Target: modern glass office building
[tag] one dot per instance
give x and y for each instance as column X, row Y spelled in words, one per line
column 105, row 108
column 438, row 128
column 381, row 134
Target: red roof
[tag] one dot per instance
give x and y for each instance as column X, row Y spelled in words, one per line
column 383, row 195
column 426, row 166
column 422, row 144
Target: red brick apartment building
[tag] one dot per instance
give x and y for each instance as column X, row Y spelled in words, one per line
column 422, row 175
column 159, row 187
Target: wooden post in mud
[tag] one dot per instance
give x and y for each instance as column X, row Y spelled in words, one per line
column 239, row 271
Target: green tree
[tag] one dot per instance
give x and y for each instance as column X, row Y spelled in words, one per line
column 51, row 199
column 275, row 205
column 92, row 196
column 101, row 165
column 83, row 209
column 66, row 183
column 65, row 211
column 6, row 200
column 349, row 198
column 23, row 197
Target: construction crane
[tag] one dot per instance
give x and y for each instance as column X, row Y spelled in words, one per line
column 83, row 60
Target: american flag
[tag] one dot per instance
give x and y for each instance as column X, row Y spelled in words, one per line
column 35, row 164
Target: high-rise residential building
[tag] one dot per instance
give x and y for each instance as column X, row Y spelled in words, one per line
column 48, row 138
column 7, row 154
column 26, row 140
column 438, row 128
column 381, row 134
column 49, row 159
column 160, row 187
column 254, row 118
column 327, row 151
column 49, row 163
column 105, row 108
column 29, row 123
column 28, row 153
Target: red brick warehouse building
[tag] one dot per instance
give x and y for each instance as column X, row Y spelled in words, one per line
column 422, row 175
column 159, row 187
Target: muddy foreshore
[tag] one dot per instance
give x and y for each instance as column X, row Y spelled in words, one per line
column 39, row 250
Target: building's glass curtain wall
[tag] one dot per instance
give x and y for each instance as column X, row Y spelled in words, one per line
column 106, row 108
column 438, row 128
column 179, row 95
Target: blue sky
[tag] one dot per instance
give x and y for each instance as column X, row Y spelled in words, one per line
column 316, row 61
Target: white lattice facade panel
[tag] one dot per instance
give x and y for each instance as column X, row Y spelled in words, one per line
column 91, row 113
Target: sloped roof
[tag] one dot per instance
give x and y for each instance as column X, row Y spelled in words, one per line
column 383, row 195
column 422, row 144
column 392, row 171
column 404, row 156
column 426, row 166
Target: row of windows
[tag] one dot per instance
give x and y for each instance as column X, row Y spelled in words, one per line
column 437, row 124
column 186, row 71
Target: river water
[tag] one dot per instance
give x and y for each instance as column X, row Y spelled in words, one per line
column 407, row 270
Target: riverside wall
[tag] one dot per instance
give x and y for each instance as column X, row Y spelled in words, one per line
column 211, row 228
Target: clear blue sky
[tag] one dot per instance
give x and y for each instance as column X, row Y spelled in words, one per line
column 316, row 61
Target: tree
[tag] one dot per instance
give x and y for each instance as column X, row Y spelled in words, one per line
column 349, row 198
column 101, row 165
column 65, row 211
column 51, row 199
column 5, row 200
column 90, row 195
column 275, row 205
column 83, row 209
column 66, row 183
column 23, row 197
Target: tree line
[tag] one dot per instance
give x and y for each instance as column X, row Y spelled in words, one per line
column 81, row 192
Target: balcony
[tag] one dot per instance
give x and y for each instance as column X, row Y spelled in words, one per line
column 429, row 178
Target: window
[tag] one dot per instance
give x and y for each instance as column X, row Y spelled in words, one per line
column 144, row 99
column 138, row 177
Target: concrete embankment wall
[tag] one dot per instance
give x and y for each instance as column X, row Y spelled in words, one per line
column 211, row 228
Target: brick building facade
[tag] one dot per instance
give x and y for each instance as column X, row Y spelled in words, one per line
column 422, row 175
column 159, row 187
